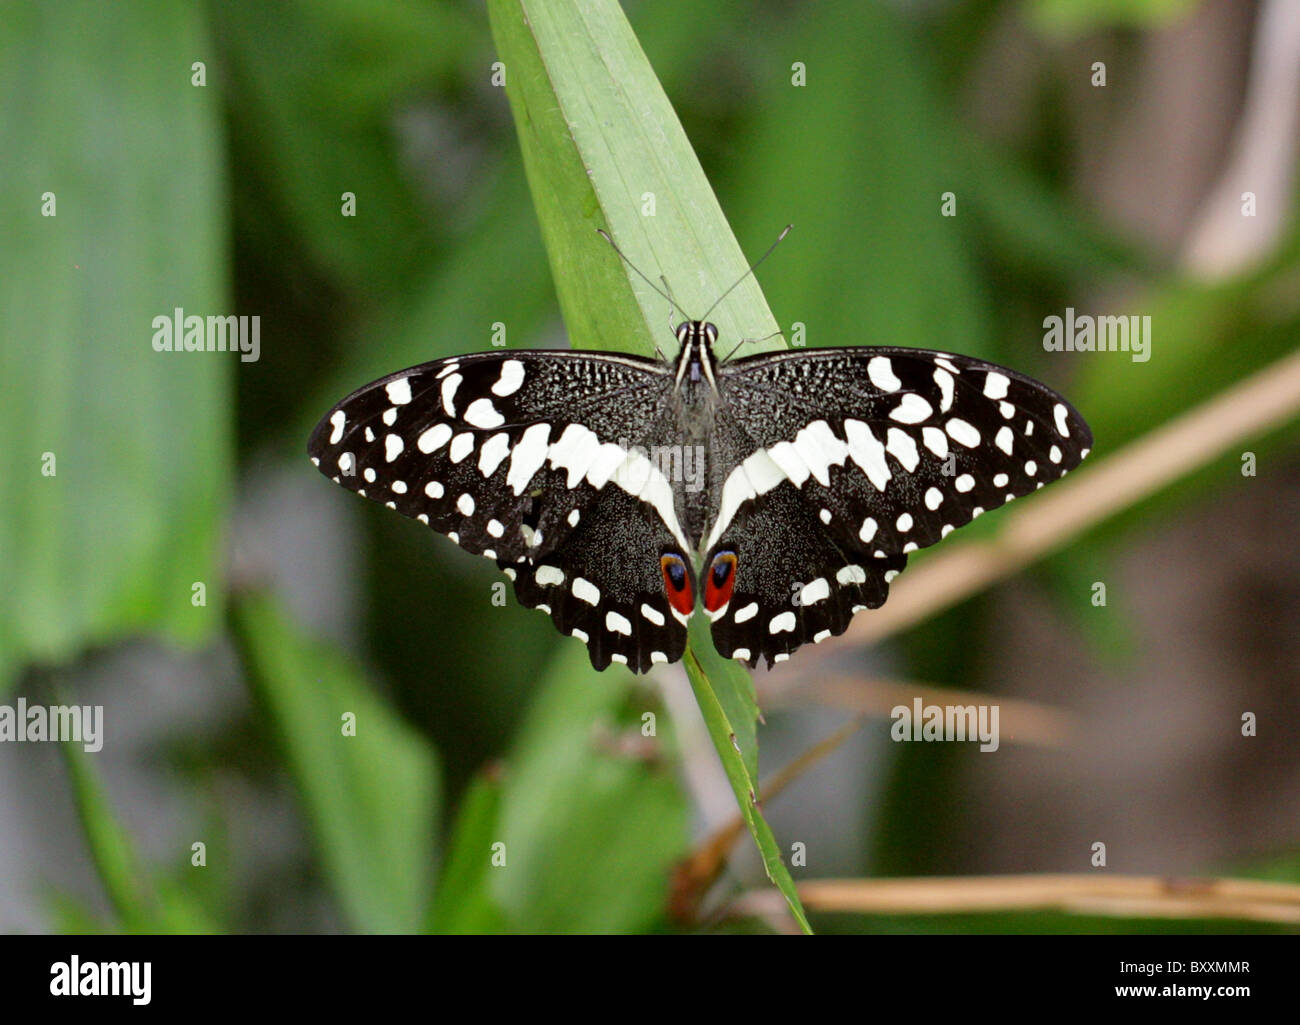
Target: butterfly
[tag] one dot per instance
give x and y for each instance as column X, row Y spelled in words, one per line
column 802, row 479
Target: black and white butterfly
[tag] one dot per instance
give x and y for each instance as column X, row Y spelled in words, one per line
column 803, row 478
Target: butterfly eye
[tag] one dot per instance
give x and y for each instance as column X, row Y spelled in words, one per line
column 720, row 581
column 676, row 581
column 674, row 572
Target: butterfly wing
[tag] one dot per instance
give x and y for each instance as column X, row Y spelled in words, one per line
column 524, row 458
column 853, row 458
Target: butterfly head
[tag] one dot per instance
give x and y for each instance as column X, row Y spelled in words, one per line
column 695, row 361
column 696, row 333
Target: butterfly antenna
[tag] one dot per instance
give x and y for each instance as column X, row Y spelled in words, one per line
column 605, row 235
column 745, row 341
column 752, row 267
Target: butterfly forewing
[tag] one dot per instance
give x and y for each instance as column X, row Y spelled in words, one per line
column 856, row 458
column 523, row 457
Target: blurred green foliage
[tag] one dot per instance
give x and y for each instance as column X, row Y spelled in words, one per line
column 227, row 197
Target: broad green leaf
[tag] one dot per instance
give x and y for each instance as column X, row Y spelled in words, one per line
column 1071, row 18
column 603, row 148
column 872, row 259
column 464, row 903
column 371, row 798
column 589, row 833
column 318, row 90
column 102, row 128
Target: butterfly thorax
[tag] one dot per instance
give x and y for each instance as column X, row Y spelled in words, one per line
column 696, row 392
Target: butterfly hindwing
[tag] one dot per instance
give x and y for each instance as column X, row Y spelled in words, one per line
column 605, row 584
column 794, row 583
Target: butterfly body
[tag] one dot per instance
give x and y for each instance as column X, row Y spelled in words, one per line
column 800, row 480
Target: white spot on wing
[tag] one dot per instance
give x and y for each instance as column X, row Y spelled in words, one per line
column 449, row 386
column 527, row 457
column 393, row 446
column 493, row 453
column 1062, row 427
column 819, row 447
column 461, row 446
column 866, row 450
column 481, row 413
column 433, row 439
column 339, row 420
column 945, row 382
column 1004, row 439
column 962, row 432
column 995, row 385
column 818, row 590
column 787, row 457
column 911, row 410
column 881, row 372
column 512, row 376
column 783, row 623
column 901, row 446
column 617, row 624
column 585, row 590
column 549, row 576
column 399, row 391
column 653, row 614
column 747, row 613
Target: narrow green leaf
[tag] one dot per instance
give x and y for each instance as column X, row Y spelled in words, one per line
column 115, row 459
column 744, row 783
column 142, row 904
column 372, row 798
column 111, row 849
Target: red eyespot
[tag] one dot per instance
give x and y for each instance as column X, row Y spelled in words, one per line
column 677, row 583
column 720, row 580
